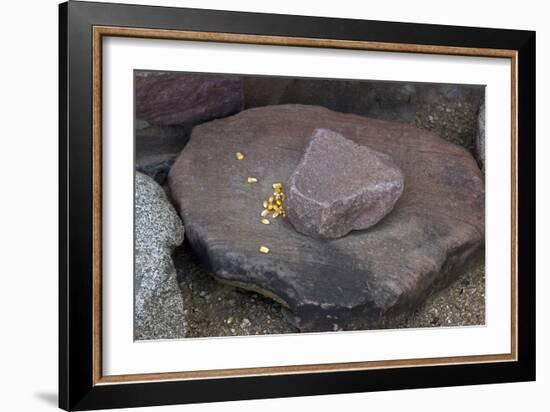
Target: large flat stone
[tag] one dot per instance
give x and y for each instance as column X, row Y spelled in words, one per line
column 434, row 232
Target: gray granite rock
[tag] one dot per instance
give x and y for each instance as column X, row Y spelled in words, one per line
column 158, row 231
column 435, row 232
column 480, row 137
column 172, row 98
column 340, row 186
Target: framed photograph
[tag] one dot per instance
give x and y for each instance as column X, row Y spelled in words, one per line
column 256, row 205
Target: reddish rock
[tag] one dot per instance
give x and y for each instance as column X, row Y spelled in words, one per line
column 340, row 186
column 434, row 232
column 172, row 98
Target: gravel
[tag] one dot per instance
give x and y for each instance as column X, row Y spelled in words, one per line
column 461, row 304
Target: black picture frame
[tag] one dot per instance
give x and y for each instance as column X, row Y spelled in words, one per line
column 77, row 388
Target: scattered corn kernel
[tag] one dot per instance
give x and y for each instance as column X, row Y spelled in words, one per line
column 274, row 204
column 251, row 180
column 264, row 249
column 239, row 156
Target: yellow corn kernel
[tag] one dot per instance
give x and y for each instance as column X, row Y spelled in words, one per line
column 264, row 213
column 251, row 180
column 265, row 222
column 264, row 249
column 275, row 214
column 239, row 156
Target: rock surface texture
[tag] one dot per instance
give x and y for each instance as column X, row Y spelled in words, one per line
column 156, row 148
column 434, row 232
column 159, row 311
column 480, row 138
column 171, row 98
column 340, row 186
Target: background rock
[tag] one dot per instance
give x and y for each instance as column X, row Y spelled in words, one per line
column 340, row 186
column 159, row 311
column 386, row 100
column 157, row 147
column 172, row 98
column 363, row 280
